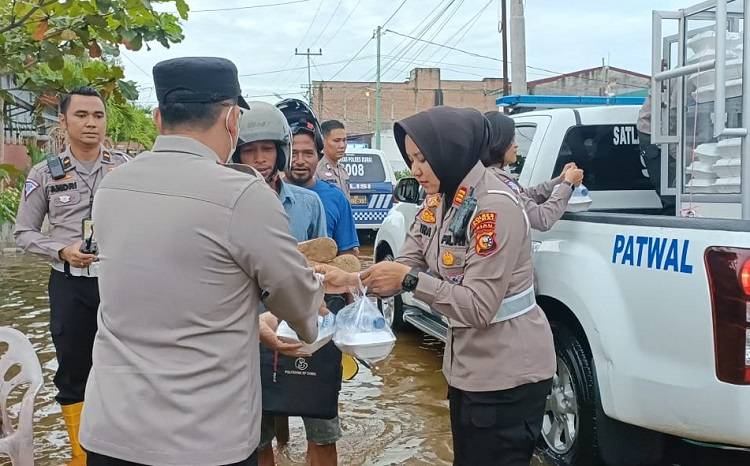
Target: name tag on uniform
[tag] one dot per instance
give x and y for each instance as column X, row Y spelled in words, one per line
column 58, row 188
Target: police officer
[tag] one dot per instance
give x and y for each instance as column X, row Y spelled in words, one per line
column 468, row 256
column 334, row 149
column 189, row 248
column 62, row 189
column 545, row 203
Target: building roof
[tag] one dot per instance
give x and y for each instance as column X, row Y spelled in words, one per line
column 587, row 70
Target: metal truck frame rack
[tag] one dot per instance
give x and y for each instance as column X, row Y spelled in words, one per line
column 660, row 121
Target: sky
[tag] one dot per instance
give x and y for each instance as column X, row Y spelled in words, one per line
column 561, row 36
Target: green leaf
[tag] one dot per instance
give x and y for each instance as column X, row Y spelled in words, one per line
column 67, row 34
column 128, row 89
column 97, row 21
column 182, row 8
column 104, row 5
column 56, row 62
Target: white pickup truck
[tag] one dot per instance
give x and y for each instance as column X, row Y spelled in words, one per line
column 651, row 314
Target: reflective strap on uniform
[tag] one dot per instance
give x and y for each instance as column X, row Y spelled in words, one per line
column 511, row 307
column 518, row 203
column 516, row 305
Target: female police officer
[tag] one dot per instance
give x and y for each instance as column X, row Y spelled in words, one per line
column 477, row 272
column 544, row 205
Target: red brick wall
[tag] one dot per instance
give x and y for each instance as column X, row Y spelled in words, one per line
column 350, row 102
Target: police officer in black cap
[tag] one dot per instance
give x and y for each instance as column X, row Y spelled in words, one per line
column 188, row 249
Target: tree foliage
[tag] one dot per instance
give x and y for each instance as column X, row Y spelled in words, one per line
column 39, row 37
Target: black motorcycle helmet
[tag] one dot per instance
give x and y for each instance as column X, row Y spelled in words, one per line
column 302, row 119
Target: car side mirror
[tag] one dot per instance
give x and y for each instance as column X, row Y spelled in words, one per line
column 408, row 190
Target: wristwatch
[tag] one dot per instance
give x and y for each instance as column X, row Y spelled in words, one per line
column 410, row 280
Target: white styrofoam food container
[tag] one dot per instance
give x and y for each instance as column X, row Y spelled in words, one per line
column 728, row 185
column 368, row 346
column 325, row 332
column 708, row 152
column 698, row 185
column 701, row 170
column 728, row 168
column 729, row 148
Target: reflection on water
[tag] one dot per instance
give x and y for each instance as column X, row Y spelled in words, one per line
column 25, row 306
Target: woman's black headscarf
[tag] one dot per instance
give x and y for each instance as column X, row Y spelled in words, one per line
column 451, row 139
column 503, row 130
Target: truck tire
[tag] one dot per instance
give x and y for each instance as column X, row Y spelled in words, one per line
column 392, row 308
column 576, row 431
column 569, row 433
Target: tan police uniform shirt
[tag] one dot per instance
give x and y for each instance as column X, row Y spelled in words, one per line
column 334, row 173
column 544, row 205
column 188, row 250
column 66, row 202
column 467, row 284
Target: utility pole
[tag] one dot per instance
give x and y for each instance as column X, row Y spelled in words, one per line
column 378, row 97
column 518, row 47
column 308, row 54
column 504, row 31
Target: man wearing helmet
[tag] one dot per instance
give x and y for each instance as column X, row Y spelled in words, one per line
column 265, row 144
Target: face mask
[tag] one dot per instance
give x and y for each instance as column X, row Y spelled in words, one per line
column 232, row 142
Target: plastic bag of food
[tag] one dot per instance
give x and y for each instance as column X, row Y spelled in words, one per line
column 362, row 332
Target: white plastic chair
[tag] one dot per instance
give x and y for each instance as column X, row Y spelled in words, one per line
column 18, row 443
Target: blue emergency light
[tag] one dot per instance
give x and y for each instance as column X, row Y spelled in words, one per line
column 565, row 101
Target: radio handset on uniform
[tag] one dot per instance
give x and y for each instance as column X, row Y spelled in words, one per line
column 88, row 245
column 56, row 168
column 461, row 220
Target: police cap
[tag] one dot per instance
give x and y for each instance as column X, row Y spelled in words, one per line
column 197, row 80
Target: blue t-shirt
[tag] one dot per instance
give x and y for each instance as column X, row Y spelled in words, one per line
column 305, row 212
column 339, row 216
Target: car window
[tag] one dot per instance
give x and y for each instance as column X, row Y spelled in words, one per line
column 609, row 156
column 524, row 136
column 364, row 168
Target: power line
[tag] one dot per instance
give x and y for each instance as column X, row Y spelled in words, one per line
column 372, row 69
column 351, row 59
column 478, row 55
column 299, row 68
column 408, row 46
column 444, row 46
column 435, row 34
column 394, row 13
column 343, row 23
column 135, row 64
column 250, row 7
column 368, row 42
column 466, row 28
column 328, row 23
column 285, row 77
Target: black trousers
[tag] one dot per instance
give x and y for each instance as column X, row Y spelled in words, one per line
column 498, row 428
column 74, row 302
column 95, row 459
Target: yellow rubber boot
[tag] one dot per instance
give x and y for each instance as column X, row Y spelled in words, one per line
column 349, row 366
column 72, row 417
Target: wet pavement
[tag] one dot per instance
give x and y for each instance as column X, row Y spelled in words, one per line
column 396, row 413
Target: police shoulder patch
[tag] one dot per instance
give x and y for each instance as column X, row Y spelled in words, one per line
column 29, row 188
column 483, row 230
column 427, row 215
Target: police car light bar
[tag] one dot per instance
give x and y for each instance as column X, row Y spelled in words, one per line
column 565, row 101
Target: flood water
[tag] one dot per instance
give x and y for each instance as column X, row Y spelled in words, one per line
column 395, row 414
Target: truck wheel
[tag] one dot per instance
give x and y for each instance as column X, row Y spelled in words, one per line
column 569, row 427
column 392, row 308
